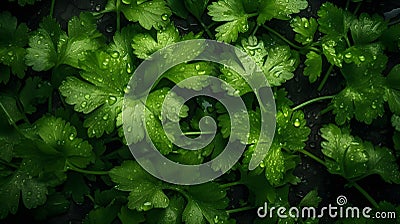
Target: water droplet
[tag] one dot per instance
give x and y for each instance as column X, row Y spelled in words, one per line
column 98, row 8
column 105, row 117
column 296, row 123
column 341, row 106
column 197, row 67
column 164, row 17
column 129, row 68
column 83, row 104
column 10, row 53
column 348, row 55
column 87, row 96
column 373, row 105
column 115, row 54
column 130, row 130
column 127, row 1
column 109, row 29
column 72, row 137
column 361, row 57
column 112, row 100
column 201, row 72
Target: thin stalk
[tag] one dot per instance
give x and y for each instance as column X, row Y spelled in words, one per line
column 10, row 118
column 255, row 30
column 281, row 37
column 321, row 85
column 326, row 110
column 347, row 41
column 314, row 49
column 198, row 133
column 172, row 188
column 91, row 172
column 365, row 193
column 357, row 8
column 230, row 184
column 50, row 104
column 118, row 15
column 8, row 164
column 347, row 5
column 312, row 156
column 210, row 35
column 91, row 198
column 236, row 210
column 312, row 101
column 53, row 2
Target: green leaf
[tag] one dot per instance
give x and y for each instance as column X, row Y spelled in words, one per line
column 196, row 7
column 10, row 110
column 391, row 38
column 352, row 158
column 62, row 137
column 305, row 29
column 362, row 98
column 102, row 215
column 76, row 187
column 313, row 67
column 278, row 9
column 274, row 164
column 146, row 192
column 128, row 216
column 333, row 48
column 333, row 20
column 280, row 65
column 178, row 8
column 206, row 204
column 396, row 122
column 232, row 12
column 393, row 89
column 148, row 13
column 50, row 46
column 170, row 215
column 21, row 183
column 199, row 70
column 310, row 200
column 144, row 45
column 237, row 85
column 367, row 28
column 56, row 204
column 13, row 39
column 34, row 92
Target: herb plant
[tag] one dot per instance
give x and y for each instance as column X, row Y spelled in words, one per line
column 61, row 101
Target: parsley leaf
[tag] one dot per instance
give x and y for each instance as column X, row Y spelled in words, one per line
column 25, row 2
column 393, row 89
column 279, row 9
column 333, row 20
column 196, row 7
column 233, row 13
column 50, row 46
column 144, row 45
column 206, row 203
column 34, row 92
column 367, row 28
column 149, row 14
column 146, row 192
column 396, row 122
column 13, row 39
column 352, row 158
column 170, row 215
column 313, row 67
column 305, row 29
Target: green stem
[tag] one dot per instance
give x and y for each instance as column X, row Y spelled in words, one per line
column 79, row 170
column 326, row 110
column 365, row 193
column 91, row 198
column 314, row 49
column 210, row 35
column 321, row 85
column 312, row 156
column 53, row 2
column 252, row 15
column 10, row 118
column 347, row 41
column 357, row 8
column 50, row 104
column 347, row 5
column 230, row 184
column 177, row 189
column 118, row 15
column 282, row 37
column 236, row 210
column 8, row 164
column 312, row 101
column 198, row 133
column 255, row 30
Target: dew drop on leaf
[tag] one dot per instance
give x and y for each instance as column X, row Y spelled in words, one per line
column 115, row 54
column 127, row 1
column 361, row 57
column 72, row 137
column 87, row 96
column 112, row 100
column 296, row 123
column 164, row 17
column 83, row 104
column 348, row 55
